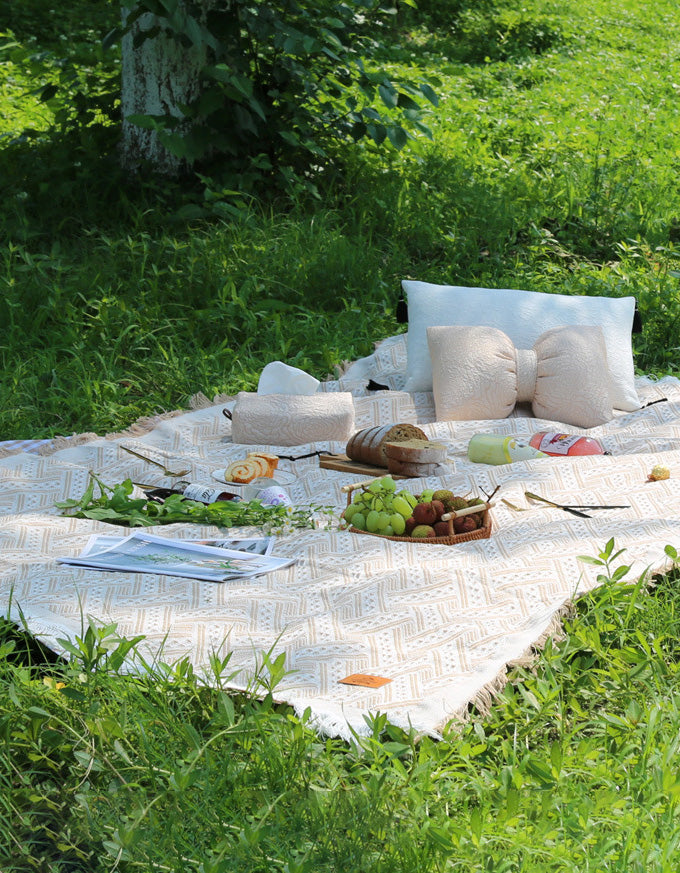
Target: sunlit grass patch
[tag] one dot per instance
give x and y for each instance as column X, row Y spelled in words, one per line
column 573, row 767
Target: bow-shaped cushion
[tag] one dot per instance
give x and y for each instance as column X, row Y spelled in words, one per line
column 477, row 373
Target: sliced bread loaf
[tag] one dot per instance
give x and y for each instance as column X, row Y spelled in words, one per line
column 368, row 445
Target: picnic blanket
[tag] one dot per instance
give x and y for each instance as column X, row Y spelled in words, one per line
column 443, row 623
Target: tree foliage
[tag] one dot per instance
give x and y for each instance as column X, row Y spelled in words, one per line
column 285, row 82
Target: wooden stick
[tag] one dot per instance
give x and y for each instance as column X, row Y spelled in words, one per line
column 469, row 510
column 347, row 488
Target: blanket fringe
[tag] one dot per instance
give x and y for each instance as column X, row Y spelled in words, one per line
column 482, row 702
column 138, row 428
column 340, row 370
column 59, row 443
column 143, row 425
column 7, row 453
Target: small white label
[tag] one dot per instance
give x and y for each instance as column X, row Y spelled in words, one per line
column 202, row 493
column 558, row 443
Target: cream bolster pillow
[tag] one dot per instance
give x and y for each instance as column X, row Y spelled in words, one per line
column 477, row 373
column 292, row 419
column 523, row 316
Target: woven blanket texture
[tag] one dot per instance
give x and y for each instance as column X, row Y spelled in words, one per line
column 443, row 623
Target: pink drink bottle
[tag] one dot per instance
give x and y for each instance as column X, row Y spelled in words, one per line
column 564, row 444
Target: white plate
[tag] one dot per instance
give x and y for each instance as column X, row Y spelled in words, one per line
column 282, row 477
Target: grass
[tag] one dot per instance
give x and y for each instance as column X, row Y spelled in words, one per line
column 574, row 768
column 553, row 167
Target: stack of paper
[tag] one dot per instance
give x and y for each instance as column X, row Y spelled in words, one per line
column 210, row 560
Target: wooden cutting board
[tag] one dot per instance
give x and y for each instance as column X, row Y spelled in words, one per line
column 344, row 465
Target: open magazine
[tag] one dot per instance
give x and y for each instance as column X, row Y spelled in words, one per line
column 217, row 560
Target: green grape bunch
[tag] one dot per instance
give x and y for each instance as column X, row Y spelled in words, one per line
column 379, row 508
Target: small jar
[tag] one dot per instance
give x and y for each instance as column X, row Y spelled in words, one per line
column 268, row 491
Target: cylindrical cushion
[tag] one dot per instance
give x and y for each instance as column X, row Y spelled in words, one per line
column 292, row 419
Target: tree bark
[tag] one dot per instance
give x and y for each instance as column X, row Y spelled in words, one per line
column 158, row 76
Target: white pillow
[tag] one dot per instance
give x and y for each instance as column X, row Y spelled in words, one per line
column 523, row 316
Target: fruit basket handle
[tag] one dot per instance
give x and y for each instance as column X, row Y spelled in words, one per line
column 468, row 510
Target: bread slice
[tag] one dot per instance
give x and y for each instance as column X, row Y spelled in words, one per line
column 415, row 470
column 272, row 461
column 416, row 451
column 245, row 471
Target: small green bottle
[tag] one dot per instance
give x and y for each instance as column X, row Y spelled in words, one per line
column 492, row 448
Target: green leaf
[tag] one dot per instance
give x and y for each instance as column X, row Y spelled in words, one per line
column 191, row 211
column 377, row 132
column 441, row 838
column 142, row 35
column 619, row 573
column 148, row 122
column 170, row 6
column 195, row 32
column 406, row 102
column 397, row 136
column 290, row 137
column 388, row 95
column 111, row 38
column 429, row 93
column 358, row 130
column 47, row 93
column 423, row 128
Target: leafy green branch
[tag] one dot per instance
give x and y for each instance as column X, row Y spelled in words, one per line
column 117, row 505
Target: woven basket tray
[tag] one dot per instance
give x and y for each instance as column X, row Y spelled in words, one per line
column 482, row 533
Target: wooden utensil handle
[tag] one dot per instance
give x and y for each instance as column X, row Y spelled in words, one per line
column 348, row 488
column 469, row 510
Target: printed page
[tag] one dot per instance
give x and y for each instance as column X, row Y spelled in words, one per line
column 144, row 553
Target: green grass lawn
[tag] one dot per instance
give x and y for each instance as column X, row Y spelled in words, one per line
column 554, row 167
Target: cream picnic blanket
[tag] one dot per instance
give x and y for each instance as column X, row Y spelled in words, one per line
column 441, row 622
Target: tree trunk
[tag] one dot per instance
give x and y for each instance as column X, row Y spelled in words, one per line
column 158, row 76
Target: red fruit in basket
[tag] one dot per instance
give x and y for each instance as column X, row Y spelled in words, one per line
column 441, row 528
column 410, row 524
column 424, row 513
column 438, row 508
column 464, row 524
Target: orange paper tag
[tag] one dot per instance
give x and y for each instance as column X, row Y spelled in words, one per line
column 365, row 680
